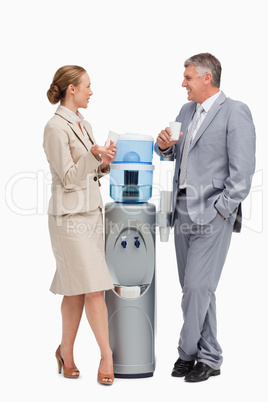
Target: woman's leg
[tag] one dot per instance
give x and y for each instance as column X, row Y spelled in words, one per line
column 97, row 315
column 71, row 310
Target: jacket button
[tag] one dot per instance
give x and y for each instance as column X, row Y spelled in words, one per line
column 95, row 178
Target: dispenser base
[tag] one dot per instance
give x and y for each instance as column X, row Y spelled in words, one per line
column 131, row 304
column 129, row 376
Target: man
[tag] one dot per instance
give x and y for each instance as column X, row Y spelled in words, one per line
column 215, row 161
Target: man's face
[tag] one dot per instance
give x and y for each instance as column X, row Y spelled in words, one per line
column 194, row 84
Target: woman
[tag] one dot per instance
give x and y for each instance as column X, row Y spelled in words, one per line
column 75, row 218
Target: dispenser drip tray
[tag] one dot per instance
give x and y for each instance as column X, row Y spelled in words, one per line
column 130, row 292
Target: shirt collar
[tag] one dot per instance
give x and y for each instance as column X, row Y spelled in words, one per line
column 209, row 102
column 77, row 118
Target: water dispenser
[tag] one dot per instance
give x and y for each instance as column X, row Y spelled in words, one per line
column 130, row 223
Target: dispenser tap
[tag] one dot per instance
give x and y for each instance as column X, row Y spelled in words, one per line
column 137, row 243
column 124, row 242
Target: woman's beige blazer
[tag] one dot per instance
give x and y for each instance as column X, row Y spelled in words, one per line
column 75, row 170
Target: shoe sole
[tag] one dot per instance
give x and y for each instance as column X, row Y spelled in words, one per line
column 213, row 374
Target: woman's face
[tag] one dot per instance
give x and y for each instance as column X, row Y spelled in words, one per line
column 83, row 92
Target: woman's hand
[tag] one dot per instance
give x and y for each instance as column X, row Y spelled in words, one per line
column 108, row 153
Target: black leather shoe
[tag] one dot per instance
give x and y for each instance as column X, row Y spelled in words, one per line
column 182, row 367
column 201, row 372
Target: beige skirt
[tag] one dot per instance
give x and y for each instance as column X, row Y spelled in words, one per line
column 78, row 247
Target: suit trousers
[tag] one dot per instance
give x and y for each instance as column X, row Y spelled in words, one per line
column 201, row 251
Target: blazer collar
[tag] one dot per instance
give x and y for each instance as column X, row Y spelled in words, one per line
column 62, row 113
column 73, row 125
column 210, row 116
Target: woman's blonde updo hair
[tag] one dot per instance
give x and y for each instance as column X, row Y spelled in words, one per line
column 63, row 77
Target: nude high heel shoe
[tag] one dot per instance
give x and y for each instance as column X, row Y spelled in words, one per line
column 101, row 378
column 67, row 372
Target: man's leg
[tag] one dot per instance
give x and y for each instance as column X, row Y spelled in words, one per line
column 207, row 251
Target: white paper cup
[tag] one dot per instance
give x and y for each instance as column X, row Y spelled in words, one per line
column 175, row 127
column 111, row 137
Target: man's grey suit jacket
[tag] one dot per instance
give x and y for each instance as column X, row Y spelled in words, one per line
column 221, row 160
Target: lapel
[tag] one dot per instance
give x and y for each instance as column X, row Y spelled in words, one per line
column 184, row 127
column 73, row 126
column 210, row 116
column 88, row 129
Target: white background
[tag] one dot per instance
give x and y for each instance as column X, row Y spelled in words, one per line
column 134, row 53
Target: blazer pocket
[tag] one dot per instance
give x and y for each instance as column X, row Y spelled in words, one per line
column 218, row 184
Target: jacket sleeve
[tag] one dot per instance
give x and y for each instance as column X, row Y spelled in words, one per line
column 166, row 152
column 104, row 171
column 241, row 143
column 56, row 146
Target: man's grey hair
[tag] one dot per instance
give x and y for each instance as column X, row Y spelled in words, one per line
column 206, row 63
